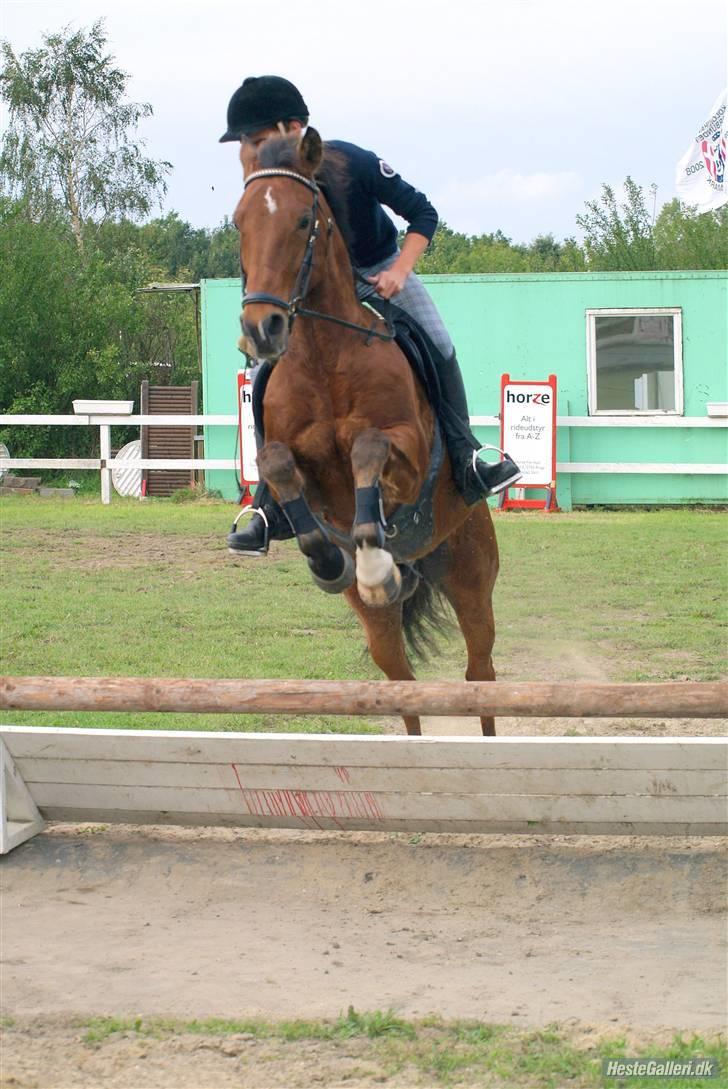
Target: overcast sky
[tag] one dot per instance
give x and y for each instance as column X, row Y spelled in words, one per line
column 508, row 115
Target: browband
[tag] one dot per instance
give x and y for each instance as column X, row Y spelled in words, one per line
column 279, row 173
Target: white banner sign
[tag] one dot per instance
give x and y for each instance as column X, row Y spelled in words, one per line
column 528, row 430
column 246, row 435
column 701, row 171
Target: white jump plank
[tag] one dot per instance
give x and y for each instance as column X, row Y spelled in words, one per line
column 19, row 816
column 17, row 832
column 432, row 824
column 574, row 781
column 657, row 754
column 366, row 804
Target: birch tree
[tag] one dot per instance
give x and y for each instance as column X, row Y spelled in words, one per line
column 71, row 140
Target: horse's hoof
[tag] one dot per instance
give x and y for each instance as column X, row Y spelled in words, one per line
column 378, row 578
column 341, row 582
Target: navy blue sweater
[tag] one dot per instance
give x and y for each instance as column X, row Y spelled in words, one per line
column 372, row 183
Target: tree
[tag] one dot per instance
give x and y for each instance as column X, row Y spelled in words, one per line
column 686, row 239
column 76, row 324
column 71, row 142
column 446, row 251
column 223, row 256
column 451, row 252
column 618, row 236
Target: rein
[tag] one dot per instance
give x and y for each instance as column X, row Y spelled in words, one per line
column 293, row 307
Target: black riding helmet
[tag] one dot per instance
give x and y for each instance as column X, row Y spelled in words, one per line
column 260, row 102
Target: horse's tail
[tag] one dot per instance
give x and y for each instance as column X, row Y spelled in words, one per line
column 426, row 614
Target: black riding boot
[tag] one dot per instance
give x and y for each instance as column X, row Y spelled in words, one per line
column 475, row 479
column 268, row 523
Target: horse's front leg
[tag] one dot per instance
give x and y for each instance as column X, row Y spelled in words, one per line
column 331, row 567
column 378, row 578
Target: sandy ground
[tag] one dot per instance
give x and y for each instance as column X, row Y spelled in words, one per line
column 525, row 726
column 289, row 924
column 232, row 923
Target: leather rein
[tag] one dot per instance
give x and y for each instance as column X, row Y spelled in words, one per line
column 294, row 307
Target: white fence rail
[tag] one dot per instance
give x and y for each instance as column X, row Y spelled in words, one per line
column 105, row 463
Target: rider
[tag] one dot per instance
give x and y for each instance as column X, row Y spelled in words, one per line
column 267, row 106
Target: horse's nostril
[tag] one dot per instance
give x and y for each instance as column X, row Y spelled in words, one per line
column 274, row 325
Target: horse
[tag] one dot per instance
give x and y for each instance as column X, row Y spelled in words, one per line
column 348, row 429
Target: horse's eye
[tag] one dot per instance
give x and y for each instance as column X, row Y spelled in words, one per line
column 304, row 222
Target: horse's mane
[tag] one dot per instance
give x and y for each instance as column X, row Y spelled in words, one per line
column 332, row 175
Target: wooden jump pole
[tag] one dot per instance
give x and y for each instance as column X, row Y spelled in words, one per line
column 564, row 700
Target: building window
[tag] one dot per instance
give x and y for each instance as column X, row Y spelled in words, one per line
column 635, row 362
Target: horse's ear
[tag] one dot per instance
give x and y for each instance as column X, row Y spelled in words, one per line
column 312, row 150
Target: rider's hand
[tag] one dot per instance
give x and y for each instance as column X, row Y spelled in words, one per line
column 390, row 281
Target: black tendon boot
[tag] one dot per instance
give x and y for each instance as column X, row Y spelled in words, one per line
column 475, row 479
column 268, row 523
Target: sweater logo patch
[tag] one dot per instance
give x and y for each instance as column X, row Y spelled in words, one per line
column 386, row 170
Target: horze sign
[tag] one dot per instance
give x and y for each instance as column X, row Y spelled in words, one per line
column 246, row 436
column 528, row 434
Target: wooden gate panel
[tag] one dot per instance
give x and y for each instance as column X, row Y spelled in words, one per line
column 168, row 442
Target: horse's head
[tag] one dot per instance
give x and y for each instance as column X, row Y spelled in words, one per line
column 278, row 218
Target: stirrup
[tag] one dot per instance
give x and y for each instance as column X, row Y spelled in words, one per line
column 266, row 535
column 250, row 510
column 487, row 446
column 502, row 474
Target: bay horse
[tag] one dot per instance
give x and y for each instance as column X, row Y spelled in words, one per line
column 348, row 427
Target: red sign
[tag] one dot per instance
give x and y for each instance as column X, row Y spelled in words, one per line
column 528, row 434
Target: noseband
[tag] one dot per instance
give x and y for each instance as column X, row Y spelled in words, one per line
column 293, row 307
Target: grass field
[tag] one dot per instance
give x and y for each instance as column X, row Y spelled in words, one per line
column 149, row 589
column 360, row 1049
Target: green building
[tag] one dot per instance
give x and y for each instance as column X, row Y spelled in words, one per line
column 641, row 360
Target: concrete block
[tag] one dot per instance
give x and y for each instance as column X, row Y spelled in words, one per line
column 31, row 482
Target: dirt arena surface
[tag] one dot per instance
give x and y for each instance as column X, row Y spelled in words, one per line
column 188, row 923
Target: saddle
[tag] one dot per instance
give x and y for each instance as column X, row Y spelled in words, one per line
column 411, row 525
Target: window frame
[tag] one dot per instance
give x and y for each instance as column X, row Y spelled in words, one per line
column 591, row 358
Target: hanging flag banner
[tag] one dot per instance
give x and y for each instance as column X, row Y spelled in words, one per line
column 246, row 431
column 528, row 435
column 701, row 177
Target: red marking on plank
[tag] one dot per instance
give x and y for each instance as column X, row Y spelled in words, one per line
column 343, row 774
column 372, row 806
column 310, row 805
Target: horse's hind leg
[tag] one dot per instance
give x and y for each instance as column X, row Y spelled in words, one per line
column 383, row 627
column 331, row 567
column 468, row 585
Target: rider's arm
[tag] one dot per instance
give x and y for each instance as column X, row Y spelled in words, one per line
column 391, row 280
column 391, row 189
column 412, row 205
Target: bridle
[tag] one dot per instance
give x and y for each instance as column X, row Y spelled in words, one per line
column 293, row 307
